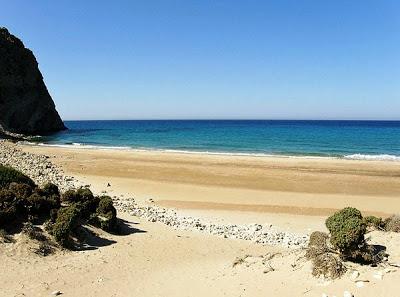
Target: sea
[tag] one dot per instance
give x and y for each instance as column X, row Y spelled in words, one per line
column 364, row 140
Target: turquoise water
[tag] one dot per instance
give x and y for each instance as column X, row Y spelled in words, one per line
column 349, row 139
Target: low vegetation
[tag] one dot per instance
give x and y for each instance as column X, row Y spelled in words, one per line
column 347, row 229
column 374, row 223
column 24, row 206
column 346, row 242
column 326, row 262
column 9, row 175
column 392, row 224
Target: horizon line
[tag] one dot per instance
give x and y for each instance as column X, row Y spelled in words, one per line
column 233, row 119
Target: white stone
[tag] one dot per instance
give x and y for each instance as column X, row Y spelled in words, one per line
column 347, row 294
column 378, row 275
column 355, row 275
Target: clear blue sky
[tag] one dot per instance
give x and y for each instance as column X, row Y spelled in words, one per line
column 215, row 59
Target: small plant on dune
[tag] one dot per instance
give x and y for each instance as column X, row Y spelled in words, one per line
column 40, row 205
column 8, row 207
column 347, row 229
column 33, row 232
column 392, row 224
column 87, row 203
column 50, row 189
column 84, row 194
column 106, row 214
column 53, row 215
column 325, row 261
column 106, row 206
column 9, row 175
column 69, row 196
column 373, row 223
column 328, row 265
column 79, row 195
column 21, row 190
column 345, row 242
column 67, row 221
column 318, row 244
column 44, row 249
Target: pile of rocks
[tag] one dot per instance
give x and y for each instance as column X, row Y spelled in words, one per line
column 261, row 234
column 38, row 167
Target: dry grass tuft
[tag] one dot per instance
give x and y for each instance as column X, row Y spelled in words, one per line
column 317, row 245
column 325, row 262
column 328, row 265
column 392, row 223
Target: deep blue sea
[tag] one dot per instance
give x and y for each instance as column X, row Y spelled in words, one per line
column 346, row 139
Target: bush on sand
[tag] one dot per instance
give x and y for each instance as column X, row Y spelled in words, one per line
column 24, row 204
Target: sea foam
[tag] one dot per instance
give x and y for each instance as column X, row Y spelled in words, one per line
column 383, row 157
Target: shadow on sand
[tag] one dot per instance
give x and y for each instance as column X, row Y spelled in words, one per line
column 90, row 240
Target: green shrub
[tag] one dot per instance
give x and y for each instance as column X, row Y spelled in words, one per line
column 53, row 215
column 88, row 208
column 87, row 203
column 106, row 206
column 8, row 215
column 84, row 200
column 106, row 214
column 50, row 189
column 84, row 194
column 392, row 223
column 41, row 205
column 69, row 196
column 373, row 222
column 9, row 175
column 67, row 220
column 347, row 229
column 80, row 195
column 6, row 197
column 54, row 201
column 25, row 202
column 10, row 208
column 21, row 190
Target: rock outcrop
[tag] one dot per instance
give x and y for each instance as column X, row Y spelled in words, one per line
column 26, row 107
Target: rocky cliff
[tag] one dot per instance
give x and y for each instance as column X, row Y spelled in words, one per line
column 26, row 106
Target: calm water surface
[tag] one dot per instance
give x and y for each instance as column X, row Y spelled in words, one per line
column 350, row 139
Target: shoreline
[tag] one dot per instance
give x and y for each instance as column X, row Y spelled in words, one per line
column 350, row 157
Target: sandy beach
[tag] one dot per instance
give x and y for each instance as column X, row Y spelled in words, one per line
column 199, row 148
column 153, row 259
column 295, row 186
